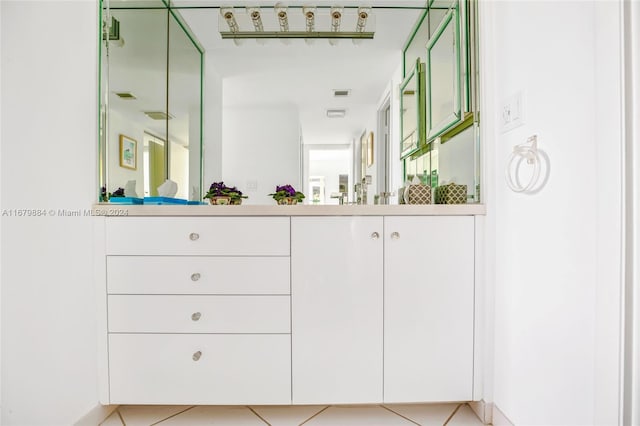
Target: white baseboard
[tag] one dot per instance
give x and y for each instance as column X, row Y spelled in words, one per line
column 483, row 411
column 499, row 419
column 96, row 415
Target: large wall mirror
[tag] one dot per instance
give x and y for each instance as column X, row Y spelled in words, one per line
column 276, row 109
column 151, row 75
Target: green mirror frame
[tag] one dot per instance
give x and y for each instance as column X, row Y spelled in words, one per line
column 412, row 103
column 438, row 125
column 174, row 80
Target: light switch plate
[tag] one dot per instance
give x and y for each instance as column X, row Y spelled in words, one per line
column 512, row 112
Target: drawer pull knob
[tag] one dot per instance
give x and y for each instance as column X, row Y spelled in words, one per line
column 395, row 235
column 375, row 235
column 195, row 277
column 196, row 316
column 194, row 236
column 196, row 356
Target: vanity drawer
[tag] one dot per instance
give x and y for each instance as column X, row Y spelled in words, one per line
column 198, row 314
column 226, row 236
column 197, row 275
column 199, row 369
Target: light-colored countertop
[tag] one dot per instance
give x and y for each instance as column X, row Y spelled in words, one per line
column 108, row 209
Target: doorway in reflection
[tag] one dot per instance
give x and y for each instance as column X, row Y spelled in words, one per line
column 328, row 173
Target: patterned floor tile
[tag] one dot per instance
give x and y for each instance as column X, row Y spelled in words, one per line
column 425, row 414
column 287, row 415
column 465, row 417
column 357, row 416
column 145, row 415
column 112, row 420
column 215, row 415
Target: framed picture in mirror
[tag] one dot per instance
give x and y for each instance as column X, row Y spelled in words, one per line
column 370, row 150
column 128, row 152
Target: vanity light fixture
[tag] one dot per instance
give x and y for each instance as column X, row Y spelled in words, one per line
column 336, row 18
column 333, row 20
column 227, row 13
column 256, row 20
column 229, row 17
column 363, row 16
column 254, row 13
column 283, row 20
column 309, row 13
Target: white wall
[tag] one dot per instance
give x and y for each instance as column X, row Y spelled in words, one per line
column 551, row 255
column 261, row 145
column 48, row 153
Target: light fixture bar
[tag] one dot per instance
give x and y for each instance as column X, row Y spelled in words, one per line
column 297, row 34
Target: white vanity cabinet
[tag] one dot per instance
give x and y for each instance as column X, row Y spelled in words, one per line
column 336, row 275
column 296, row 309
column 198, row 310
column 382, row 309
column 428, row 308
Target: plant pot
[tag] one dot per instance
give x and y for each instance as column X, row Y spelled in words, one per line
column 287, row 201
column 220, row 200
column 235, row 201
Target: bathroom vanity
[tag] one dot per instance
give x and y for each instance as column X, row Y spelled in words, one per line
column 286, row 304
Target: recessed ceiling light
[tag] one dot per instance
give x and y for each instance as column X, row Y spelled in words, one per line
column 336, row 113
column 341, row 93
column 125, row 95
column 158, row 115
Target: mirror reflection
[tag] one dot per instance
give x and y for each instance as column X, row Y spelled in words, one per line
column 276, row 111
column 151, row 90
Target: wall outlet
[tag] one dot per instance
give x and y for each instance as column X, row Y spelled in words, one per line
column 512, row 112
column 252, row 185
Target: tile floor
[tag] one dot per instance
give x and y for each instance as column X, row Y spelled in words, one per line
column 347, row 415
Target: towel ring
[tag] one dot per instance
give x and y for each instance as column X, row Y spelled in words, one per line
column 523, row 152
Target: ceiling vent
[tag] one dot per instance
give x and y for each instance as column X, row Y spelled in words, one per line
column 126, row 95
column 336, row 113
column 158, row 115
column 341, row 93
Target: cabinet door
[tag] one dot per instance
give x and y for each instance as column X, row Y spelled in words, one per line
column 428, row 303
column 336, row 290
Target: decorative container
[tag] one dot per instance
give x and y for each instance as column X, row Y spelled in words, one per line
column 417, row 194
column 451, row 194
column 220, row 200
column 287, row 201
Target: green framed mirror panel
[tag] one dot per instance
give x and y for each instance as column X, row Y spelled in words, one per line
column 151, row 97
column 443, row 80
column 412, row 102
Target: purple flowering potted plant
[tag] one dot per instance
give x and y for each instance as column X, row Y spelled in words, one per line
column 219, row 193
column 286, row 194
